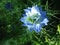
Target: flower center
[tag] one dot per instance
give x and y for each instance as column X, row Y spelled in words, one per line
column 29, row 19
column 32, row 19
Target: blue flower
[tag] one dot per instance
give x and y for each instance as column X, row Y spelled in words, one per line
column 8, row 5
column 34, row 18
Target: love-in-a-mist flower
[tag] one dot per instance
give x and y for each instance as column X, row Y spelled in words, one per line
column 8, row 5
column 34, row 18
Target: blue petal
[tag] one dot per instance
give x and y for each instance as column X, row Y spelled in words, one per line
column 36, row 7
column 45, row 21
column 30, row 27
column 37, row 27
column 24, row 15
column 27, row 10
column 23, row 19
column 40, row 8
column 43, row 14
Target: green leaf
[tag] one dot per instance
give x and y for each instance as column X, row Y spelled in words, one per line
column 46, row 6
column 58, row 29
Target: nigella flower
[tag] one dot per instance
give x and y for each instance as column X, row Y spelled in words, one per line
column 8, row 6
column 34, row 18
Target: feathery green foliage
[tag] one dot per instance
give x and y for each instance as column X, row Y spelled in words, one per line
column 13, row 33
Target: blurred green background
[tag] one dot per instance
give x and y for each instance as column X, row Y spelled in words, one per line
column 13, row 33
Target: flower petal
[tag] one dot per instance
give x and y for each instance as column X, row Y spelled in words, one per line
column 45, row 21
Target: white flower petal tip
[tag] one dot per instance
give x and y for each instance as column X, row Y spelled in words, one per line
column 45, row 21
